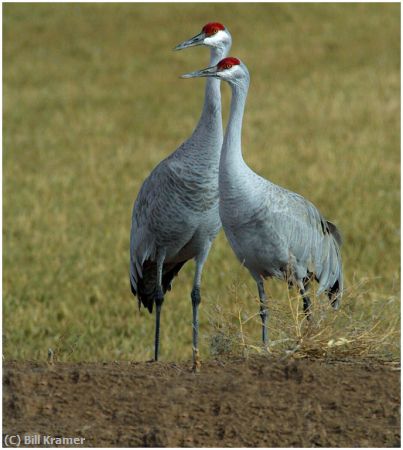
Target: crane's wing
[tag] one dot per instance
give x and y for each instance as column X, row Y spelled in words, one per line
column 156, row 221
column 312, row 240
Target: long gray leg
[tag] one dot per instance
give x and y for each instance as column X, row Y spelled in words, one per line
column 159, row 299
column 303, row 288
column 196, row 299
column 264, row 311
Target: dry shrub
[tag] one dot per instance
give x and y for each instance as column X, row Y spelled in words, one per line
column 348, row 332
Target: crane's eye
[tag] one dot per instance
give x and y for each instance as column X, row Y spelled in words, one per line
column 212, row 28
column 228, row 63
column 212, row 31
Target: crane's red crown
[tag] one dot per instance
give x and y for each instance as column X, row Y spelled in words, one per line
column 227, row 63
column 212, row 28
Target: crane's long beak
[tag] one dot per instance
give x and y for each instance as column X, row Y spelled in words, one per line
column 195, row 40
column 208, row 72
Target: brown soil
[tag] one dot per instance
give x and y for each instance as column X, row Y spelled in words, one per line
column 259, row 402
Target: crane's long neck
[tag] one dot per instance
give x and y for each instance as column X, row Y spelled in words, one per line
column 209, row 128
column 232, row 166
column 212, row 93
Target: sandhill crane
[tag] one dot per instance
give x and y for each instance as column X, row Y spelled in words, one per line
column 273, row 231
column 175, row 216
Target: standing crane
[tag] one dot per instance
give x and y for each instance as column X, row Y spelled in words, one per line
column 273, row 231
column 175, row 216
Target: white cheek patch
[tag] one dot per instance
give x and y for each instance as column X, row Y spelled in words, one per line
column 230, row 71
column 216, row 39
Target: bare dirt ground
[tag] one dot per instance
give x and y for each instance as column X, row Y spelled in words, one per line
column 258, row 402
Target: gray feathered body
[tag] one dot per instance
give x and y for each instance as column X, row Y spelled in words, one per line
column 176, row 213
column 273, row 231
column 277, row 233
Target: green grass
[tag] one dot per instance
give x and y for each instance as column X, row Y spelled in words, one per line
column 92, row 102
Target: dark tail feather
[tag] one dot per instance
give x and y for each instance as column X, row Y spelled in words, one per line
column 334, row 294
column 336, row 291
column 133, row 289
column 335, row 232
column 169, row 275
column 146, row 285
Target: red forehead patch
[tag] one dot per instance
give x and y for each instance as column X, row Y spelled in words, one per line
column 227, row 63
column 212, row 28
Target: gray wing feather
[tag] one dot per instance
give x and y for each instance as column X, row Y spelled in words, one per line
column 166, row 214
column 146, row 220
column 314, row 242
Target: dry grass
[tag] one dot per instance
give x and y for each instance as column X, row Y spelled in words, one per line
column 327, row 334
column 92, row 102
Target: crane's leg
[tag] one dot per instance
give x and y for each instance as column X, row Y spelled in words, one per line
column 303, row 288
column 196, row 299
column 264, row 311
column 159, row 299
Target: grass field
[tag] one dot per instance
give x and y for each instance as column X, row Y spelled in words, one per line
column 92, row 102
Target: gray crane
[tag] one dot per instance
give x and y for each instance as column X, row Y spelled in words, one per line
column 175, row 216
column 273, row 231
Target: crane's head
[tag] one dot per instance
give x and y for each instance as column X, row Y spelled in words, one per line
column 228, row 69
column 213, row 34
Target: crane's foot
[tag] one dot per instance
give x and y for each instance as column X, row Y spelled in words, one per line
column 265, row 348
column 196, row 361
column 308, row 318
column 307, row 308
